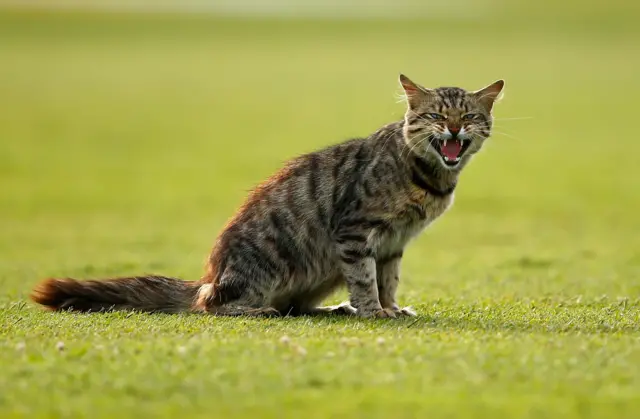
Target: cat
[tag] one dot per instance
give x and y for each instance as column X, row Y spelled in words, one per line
column 341, row 216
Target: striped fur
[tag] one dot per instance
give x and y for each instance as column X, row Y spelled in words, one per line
column 341, row 216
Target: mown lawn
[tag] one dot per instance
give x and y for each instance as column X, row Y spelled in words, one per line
column 126, row 141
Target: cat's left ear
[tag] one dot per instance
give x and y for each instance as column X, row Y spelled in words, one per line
column 416, row 94
column 488, row 95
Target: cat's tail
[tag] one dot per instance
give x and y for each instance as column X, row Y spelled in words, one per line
column 139, row 293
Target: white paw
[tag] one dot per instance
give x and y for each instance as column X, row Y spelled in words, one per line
column 407, row 311
column 343, row 308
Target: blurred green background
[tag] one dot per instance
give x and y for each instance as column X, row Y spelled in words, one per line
column 131, row 131
column 140, row 133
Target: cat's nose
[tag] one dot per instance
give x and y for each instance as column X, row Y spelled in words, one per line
column 454, row 131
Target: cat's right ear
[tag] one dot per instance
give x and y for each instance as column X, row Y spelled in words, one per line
column 488, row 95
column 415, row 93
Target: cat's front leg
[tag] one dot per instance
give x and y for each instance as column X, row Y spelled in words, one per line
column 388, row 278
column 359, row 269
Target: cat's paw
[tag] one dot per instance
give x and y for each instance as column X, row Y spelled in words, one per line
column 405, row 311
column 380, row 313
column 264, row 312
column 385, row 313
column 344, row 309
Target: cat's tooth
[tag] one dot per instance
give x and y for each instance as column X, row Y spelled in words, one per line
column 445, row 143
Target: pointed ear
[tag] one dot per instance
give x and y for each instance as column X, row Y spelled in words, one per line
column 488, row 95
column 415, row 94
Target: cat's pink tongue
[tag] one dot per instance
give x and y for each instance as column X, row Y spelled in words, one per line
column 451, row 148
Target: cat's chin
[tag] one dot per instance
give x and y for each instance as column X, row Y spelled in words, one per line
column 448, row 165
column 438, row 160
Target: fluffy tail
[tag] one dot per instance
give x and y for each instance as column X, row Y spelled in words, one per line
column 140, row 293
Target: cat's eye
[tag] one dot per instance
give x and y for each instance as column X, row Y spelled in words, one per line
column 436, row 116
column 469, row 116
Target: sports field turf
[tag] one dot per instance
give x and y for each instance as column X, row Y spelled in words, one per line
column 126, row 142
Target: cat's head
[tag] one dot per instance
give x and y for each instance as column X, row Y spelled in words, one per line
column 448, row 124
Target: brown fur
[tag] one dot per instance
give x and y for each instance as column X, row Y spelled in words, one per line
column 337, row 217
column 142, row 293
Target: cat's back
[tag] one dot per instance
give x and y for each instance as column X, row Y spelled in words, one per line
column 315, row 190
column 288, row 218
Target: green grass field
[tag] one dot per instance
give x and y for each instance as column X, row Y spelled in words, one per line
column 127, row 141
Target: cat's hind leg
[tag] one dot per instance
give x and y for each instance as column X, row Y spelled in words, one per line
column 223, row 300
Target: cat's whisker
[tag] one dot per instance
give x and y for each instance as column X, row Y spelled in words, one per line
column 419, row 143
column 513, row 119
column 494, row 133
column 401, row 97
column 392, row 134
column 494, row 130
column 410, row 145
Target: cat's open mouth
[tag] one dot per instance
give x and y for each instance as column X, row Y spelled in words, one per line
column 451, row 151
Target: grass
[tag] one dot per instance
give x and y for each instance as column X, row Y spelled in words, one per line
column 126, row 141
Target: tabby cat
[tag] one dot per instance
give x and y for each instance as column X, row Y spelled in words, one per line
column 339, row 216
